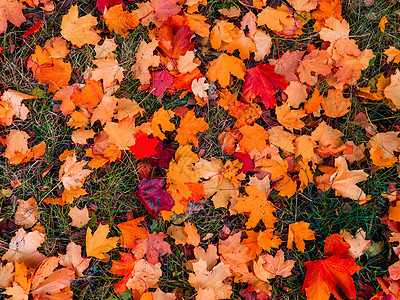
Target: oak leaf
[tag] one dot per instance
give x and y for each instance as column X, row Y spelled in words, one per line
column 325, row 276
column 79, row 31
column 298, row 233
column 223, row 67
column 257, row 206
column 97, row 244
column 261, row 81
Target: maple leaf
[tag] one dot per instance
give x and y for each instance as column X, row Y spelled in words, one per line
column 130, row 231
column 165, row 8
column 276, row 265
column 7, row 275
column 267, row 240
column 144, row 146
column 72, row 173
column 108, row 70
column 80, row 217
column 343, row 182
column 145, row 59
column 312, row 65
column 90, row 95
column 188, row 129
column 27, row 213
column 261, row 81
column 104, row 4
column 161, row 120
column 153, row 246
column 120, row 21
column 160, row 82
column 223, row 67
column 221, row 32
column 392, row 91
column 79, row 30
column 287, row 64
column 325, row 275
column 358, row 244
column 290, row 118
column 152, row 195
column 336, row 246
column 275, row 19
column 97, row 244
column 11, row 10
column 197, row 23
column 74, row 260
column 298, row 233
column 234, row 254
column 123, row 267
column 144, row 276
column 209, row 283
column 257, row 206
column 254, row 137
column 17, row 150
column 175, row 37
column 184, row 235
column 13, row 106
column 23, row 248
column 240, row 41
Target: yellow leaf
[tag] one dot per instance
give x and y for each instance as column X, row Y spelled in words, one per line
column 98, row 243
column 298, row 233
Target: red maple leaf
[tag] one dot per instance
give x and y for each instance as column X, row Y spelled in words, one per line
column 261, row 81
column 335, row 245
column 165, row 8
column 154, row 197
column 325, row 276
column 103, row 4
column 123, row 267
column 144, row 147
column 175, row 37
column 161, row 81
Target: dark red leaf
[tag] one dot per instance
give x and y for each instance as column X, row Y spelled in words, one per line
column 246, row 160
column 260, row 81
column 154, row 197
column 103, row 4
column 161, row 81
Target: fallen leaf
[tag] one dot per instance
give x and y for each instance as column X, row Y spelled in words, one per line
column 261, row 81
column 72, row 174
column 188, row 129
column 298, row 233
column 223, row 67
column 79, row 31
column 97, row 244
column 11, row 11
column 358, row 244
column 277, row 265
column 325, row 276
column 80, row 217
column 74, row 260
column 153, row 246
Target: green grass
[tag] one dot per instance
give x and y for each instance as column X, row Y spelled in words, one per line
column 111, row 190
